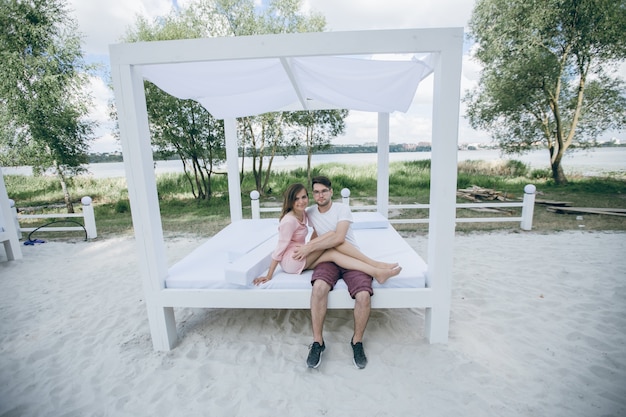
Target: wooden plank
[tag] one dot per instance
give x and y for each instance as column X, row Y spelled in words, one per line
column 553, row 203
column 587, row 210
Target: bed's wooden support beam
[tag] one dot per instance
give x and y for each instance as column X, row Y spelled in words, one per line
column 137, row 150
column 232, row 158
column 289, row 299
column 443, row 177
column 8, row 231
column 382, row 188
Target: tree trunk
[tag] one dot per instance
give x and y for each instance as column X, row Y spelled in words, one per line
column 243, row 162
column 556, row 155
column 557, row 173
column 309, row 153
column 66, row 192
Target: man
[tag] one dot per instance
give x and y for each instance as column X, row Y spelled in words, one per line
column 332, row 226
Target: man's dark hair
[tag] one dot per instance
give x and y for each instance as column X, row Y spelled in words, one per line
column 321, row 180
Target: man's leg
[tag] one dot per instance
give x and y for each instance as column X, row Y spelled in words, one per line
column 325, row 276
column 319, row 306
column 360, row 287
column 362, row 307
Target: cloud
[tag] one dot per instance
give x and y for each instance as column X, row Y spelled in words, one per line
column 101, row 95
column 391, row 14
column 105, row 22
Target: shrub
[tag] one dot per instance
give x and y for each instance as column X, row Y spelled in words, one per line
column 122, row 206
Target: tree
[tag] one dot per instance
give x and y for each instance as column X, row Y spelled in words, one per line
column 265, row 136
column 183, row 126
column 548, row 75
column 318, row 128
column 43, row 105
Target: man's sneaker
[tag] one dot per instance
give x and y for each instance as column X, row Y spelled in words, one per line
column 315, row 355
column 360, row 360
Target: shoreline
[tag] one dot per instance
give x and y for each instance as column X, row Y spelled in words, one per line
column 594, row 162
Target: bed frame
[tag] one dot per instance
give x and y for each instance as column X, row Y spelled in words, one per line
column 219, row 273
column 129, row 60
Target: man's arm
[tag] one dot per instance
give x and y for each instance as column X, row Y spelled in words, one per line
column 325, row 241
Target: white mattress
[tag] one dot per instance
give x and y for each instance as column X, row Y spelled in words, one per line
column 241, row 252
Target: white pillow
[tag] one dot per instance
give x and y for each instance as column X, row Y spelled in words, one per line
column 369, row 220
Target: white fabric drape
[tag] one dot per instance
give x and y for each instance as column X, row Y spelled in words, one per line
column 240, row 88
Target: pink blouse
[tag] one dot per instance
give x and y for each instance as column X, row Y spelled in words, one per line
column 291, row 233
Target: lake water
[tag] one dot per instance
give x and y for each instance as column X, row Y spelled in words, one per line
column 593, row 162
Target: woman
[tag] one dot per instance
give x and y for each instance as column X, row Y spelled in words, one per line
column 292, row 232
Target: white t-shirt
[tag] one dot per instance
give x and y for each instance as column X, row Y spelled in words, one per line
column 327, row 222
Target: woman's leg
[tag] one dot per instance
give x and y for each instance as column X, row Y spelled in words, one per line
column 352, row 251
column 332, row 255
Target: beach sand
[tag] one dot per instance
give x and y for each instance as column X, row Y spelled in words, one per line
column 538, row 328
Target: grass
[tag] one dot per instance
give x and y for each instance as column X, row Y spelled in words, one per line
column 409, row 182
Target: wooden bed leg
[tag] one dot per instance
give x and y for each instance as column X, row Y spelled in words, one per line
column 437, row 323
column 162, row 327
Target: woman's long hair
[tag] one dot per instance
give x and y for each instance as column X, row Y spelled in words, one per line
column 289, row 197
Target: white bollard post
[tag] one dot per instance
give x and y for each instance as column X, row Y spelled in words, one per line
column 345, row 196
column 255, row 204
column 15, row 219
column 528, row 207
column 89, row 218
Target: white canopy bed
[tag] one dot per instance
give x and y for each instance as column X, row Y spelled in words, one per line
column 240, row 76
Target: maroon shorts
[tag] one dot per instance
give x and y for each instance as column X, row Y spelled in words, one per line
column 356, row 281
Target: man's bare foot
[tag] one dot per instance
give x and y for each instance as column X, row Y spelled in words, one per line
column 385, row 274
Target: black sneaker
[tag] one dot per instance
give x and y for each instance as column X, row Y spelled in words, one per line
column 315, row 355
column 360, row 360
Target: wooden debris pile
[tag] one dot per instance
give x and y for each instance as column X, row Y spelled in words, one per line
column 479, row 194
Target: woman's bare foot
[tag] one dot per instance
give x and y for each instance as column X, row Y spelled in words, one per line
column 385, row 265
column 385, row 274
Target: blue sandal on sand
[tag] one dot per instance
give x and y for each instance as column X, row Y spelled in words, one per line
column 32, row 242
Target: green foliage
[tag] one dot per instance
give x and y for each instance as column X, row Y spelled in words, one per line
column 542, row 174
column 508, row 168
column 42, row 105
column 593, row 185
column 122, row 206
column 549, row 73
column 408, row 183
column 317, row 128
column 40, row 98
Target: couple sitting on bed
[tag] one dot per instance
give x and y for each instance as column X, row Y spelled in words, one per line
column 332, row 254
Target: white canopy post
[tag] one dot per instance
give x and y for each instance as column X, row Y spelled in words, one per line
column 8, row 231
column 443, row 177
column 133, row 119
column 232, row 158
column 382, row 189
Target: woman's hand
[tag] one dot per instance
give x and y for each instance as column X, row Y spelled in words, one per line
column 261, row 280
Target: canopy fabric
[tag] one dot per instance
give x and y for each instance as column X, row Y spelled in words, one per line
column 238, row 88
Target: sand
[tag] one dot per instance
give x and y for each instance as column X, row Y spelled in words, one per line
column 538, row 328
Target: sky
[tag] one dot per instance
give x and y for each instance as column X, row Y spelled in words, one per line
column 105, row 23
